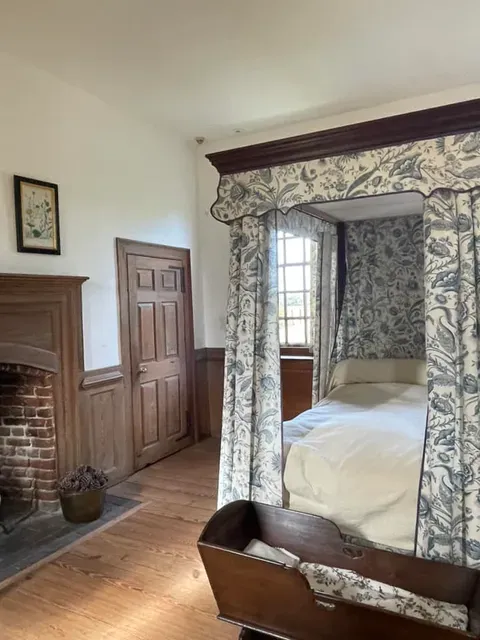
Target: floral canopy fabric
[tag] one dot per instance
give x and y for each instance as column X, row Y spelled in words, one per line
column 383, row 310
column 451, row 162
column 441, row 169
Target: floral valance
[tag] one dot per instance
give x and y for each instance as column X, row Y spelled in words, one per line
column 449, row 162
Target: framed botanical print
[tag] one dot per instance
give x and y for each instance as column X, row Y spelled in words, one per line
column 37, row 216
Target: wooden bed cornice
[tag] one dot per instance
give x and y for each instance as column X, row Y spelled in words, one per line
column 456, row 118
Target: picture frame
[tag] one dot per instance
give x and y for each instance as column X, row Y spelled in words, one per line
column 37, row 216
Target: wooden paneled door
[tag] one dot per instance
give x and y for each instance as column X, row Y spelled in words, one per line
column 160, row 346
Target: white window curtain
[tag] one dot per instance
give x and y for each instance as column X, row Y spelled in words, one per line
column 324, row 307
column 449, row 509
column 324, row 283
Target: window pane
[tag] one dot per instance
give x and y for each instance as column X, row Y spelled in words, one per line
column 309, row 332
column 294, row 278
column 294, row 282
column 281, row 305
column 307, row 277
column 294, row 250
column 281, row 285
column 296, row 331
column 295, row 305
column 281, row 247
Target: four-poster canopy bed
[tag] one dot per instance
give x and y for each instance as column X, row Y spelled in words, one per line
column 259, row 202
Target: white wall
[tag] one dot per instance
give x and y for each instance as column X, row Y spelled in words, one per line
column 214, row 235
column 116, row 177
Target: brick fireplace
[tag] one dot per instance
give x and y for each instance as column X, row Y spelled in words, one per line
column 28, row 470
column 41, row 359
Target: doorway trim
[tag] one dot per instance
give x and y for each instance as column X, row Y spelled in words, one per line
column 124, row 248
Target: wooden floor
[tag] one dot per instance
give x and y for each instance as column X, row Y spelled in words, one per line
column 142, row 579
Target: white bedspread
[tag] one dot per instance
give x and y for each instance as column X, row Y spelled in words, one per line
column 356, row 459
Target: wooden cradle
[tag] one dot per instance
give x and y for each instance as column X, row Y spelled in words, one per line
column 269, row 599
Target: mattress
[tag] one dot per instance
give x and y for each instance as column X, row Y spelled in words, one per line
column 356, row 459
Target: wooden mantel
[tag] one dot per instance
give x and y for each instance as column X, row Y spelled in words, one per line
column 15, row 353
column 38, row 277
column 44, row 312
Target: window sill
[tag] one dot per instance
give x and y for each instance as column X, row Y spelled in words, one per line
column 296, row 353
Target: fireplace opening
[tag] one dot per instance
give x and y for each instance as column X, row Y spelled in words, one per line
column 28, row 470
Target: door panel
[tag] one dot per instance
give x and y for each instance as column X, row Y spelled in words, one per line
column 170, row 322
column 173, row 405
column 150, row 411
column 145, row 278
column 147, row 331
column 158, row 357
column 169, row 280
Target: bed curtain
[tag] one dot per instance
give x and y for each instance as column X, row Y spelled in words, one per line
column 251, row 446
column 383, row 313
column 449, row 509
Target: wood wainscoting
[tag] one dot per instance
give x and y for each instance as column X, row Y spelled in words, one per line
column 297, row 372
column 107, row 440
column 209, row 389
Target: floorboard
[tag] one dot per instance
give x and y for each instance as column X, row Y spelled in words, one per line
column 142, row 579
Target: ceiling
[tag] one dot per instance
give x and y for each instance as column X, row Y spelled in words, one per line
column 387, row 206
column 209, row 67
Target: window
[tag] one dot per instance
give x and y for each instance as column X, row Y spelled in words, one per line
column 294, row 289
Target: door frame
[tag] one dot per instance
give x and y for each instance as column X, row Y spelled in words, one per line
column 124, row 248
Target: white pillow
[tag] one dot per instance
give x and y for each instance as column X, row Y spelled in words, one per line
column 385, row 370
